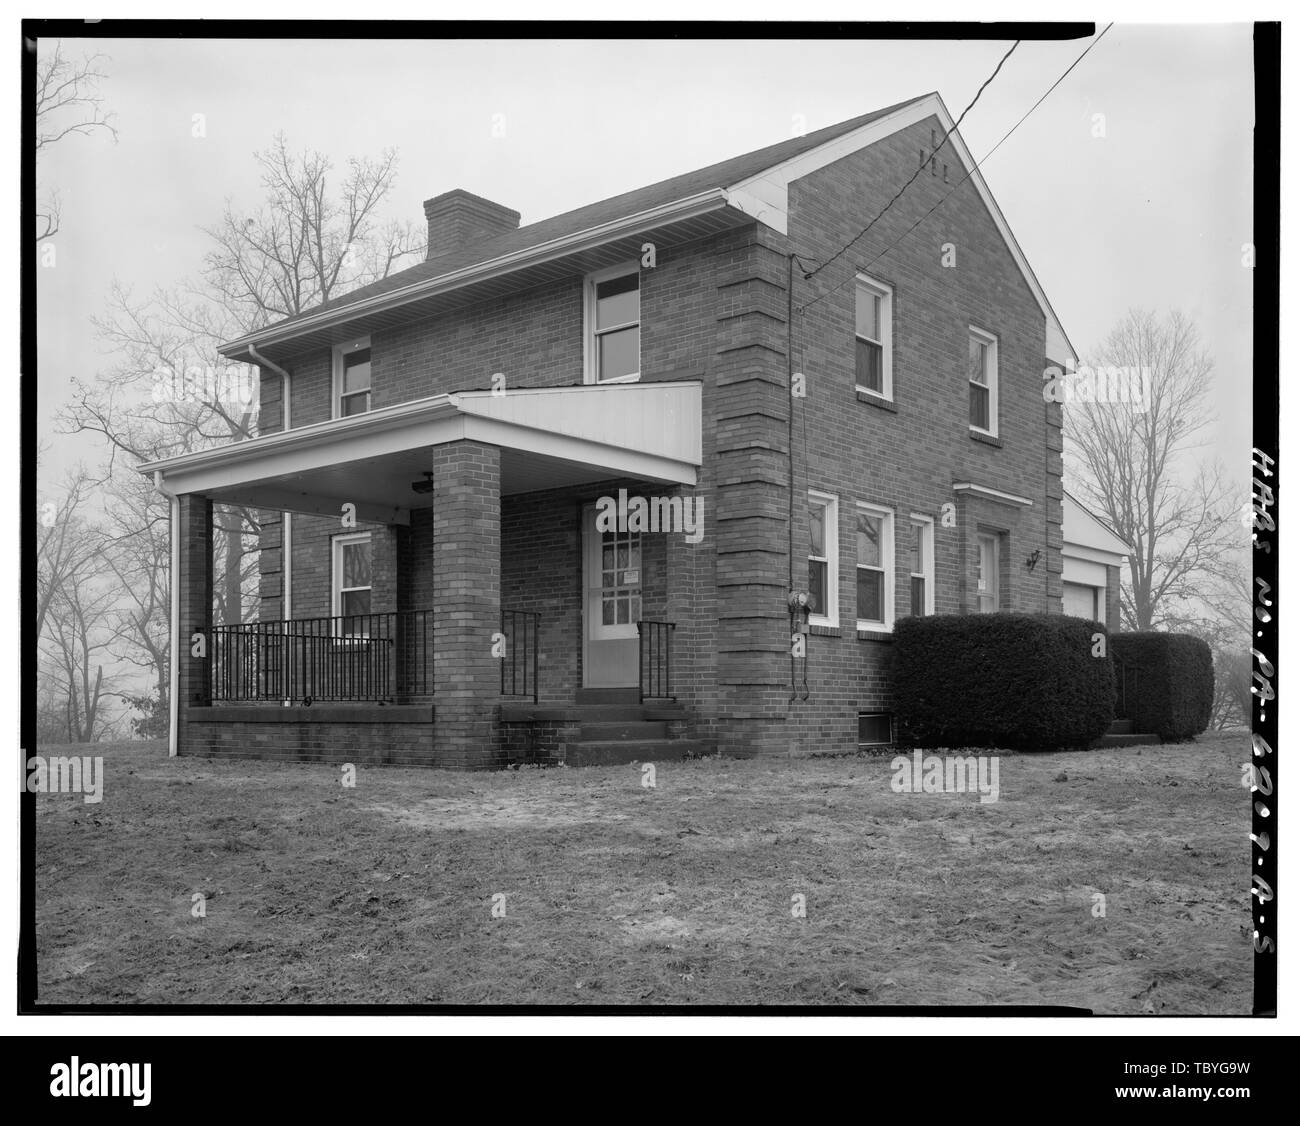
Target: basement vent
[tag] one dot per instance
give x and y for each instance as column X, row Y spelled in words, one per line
column 875, row 729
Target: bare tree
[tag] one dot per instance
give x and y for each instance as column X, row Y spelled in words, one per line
column 169, row 391
column 1130, row 462
column 60, row 548
column 68, row 103
column 78, row 628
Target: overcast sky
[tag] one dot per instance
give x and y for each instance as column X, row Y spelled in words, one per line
column 1153, row 214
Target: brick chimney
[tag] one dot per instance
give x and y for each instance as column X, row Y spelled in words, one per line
column 458, row 218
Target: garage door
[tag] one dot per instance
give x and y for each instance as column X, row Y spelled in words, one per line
column 1082, row 601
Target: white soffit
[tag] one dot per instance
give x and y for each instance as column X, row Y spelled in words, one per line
column 766, row 196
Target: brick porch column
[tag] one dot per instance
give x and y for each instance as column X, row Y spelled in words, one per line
column 467, row 601
column 194, row 679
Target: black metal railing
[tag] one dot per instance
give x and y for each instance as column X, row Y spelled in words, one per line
column 655, row 659
column 1121, row 689
column 361, row 657
column 519, row 661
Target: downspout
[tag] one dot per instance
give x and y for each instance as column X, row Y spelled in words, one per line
column 286, row 518
column 174, row 564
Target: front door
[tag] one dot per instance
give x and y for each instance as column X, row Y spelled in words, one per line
column 611, row 581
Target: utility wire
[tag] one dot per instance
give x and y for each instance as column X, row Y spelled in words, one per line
column 834, row 257
column 863, row 268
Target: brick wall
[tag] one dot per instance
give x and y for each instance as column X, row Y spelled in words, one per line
column 716, row 310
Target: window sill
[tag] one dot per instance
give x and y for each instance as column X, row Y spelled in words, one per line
column 987, row 439
column 874, row 400
column 875, row 634
column 823, row 630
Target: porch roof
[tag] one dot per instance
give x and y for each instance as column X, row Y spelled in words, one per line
column 549, row 437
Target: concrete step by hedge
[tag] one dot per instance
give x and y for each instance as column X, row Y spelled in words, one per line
column 1120, row 727
column 645, row 750
column 1126, row 740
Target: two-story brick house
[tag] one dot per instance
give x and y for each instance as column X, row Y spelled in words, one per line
column 865, row 440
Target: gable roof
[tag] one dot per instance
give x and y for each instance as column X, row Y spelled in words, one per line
column 754, row 184
column 1084, row 528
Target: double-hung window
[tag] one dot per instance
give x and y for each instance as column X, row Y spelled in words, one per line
column 875, row 567
column 982, row 375
column 920, row 555
column 614, row 325
column 823, row 568
column 352, row 378
column 873, row 317
column 352, row 581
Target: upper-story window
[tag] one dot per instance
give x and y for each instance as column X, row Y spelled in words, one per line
column 874, row 330
column 352, row 378
column 613, row 312
column 823, row 559
column 982, row 373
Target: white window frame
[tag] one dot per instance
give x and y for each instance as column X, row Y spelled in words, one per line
column 996, row 540
column 590, row 353
column 917, row 519
column 336, row 376
column 991, row 343
column 831, row 522
column 887, row 567
column 886, row 294
column 336, row 571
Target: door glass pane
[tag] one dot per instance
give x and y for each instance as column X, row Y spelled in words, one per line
column 607, row 612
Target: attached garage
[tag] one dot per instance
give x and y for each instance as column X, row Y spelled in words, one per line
column 1091, row 557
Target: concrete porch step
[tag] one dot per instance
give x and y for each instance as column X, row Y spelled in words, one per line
column 633, row 730
column 1120, row 727
column 604, row 753
column 1126, row 740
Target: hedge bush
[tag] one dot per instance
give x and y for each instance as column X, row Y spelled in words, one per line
column 1018, row 681
column 1169, row 682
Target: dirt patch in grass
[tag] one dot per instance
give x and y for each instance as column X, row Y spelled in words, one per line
column 682, row 894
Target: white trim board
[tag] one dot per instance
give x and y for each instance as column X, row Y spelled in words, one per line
column 766, row 196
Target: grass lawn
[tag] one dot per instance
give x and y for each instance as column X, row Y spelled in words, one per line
column 615, row 893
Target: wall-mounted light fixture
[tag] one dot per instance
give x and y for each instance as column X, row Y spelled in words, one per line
column 1034, row 557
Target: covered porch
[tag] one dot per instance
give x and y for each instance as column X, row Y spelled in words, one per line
column 480, row 585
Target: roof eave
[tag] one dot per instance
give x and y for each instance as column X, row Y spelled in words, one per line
column 689, row 207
